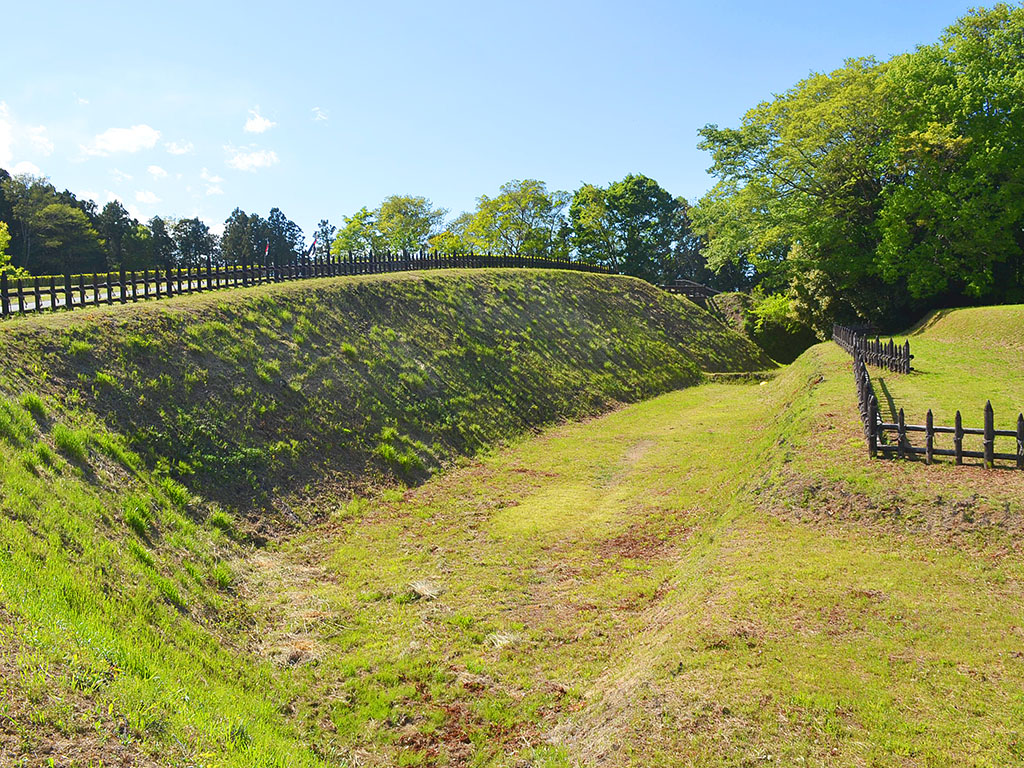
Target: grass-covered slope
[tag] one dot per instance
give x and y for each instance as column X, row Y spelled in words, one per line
column 240, row 394
column 133, row 628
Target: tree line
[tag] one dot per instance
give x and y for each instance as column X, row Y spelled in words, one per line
column 882, row 189
column 43, row 231
column 633, row 226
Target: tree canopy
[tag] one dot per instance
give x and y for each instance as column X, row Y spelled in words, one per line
column 882, row 188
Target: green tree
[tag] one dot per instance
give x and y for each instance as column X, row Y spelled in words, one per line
column 68, row 243
column 407, row 222
column 284, row 236
column 358, row 234
column 115, row 226
column 161, row 243
column 952, row 217
column 634, row 226
column 193, row 242
column 798, row 193
column 456, row 237
column 5, row 258
column 324, row 237
column 524, row 218
column 244, row 238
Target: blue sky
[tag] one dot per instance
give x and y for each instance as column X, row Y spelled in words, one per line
column 187, row 108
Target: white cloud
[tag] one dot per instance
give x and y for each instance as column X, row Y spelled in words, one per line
column 80, row 100
column 145, row 196
column 120, row 176
column 123, row 140
column 156, row 172
column 39, row 140
column 214, row 190
column 257, row 123
column 12, row 134
column 179, row 147
column 249, row 159
column 26, row 167
column 205, row 176
column 319, row 114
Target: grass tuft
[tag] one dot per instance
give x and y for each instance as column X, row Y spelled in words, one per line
column 71, row 442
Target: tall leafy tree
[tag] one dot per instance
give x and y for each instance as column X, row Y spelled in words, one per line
column 358, row 233
column 243, row 240
column 67, row 241
column 161, row 243
column 115, row 226
column 407, row 222
column 193, row 242
column 524, row 218
column 634, row 226
column 324, row 236
column 284, row 236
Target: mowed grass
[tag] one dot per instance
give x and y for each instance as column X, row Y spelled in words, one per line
column 962, row 358
column 718, row 576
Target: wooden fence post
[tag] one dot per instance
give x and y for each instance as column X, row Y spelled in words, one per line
column 122, row 297
column 989, row 439
column 901, row 446
column 53, row 293
column 69, row 296
column 958, row 440
column 5, row 302
column 872, row 426
column 1020, row 441
column 929, row 436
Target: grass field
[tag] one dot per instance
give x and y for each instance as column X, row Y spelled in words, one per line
column 962, row 358
column 716, row 576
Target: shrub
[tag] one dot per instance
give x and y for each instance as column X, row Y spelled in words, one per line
column 348, row 350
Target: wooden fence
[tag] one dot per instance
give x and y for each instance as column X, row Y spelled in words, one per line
column 19, row 296
column 892, row 439
column 878, row 353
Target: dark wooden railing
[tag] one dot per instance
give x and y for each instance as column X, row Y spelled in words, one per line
column 27, row 295
column 881, row 354
column 892, row 439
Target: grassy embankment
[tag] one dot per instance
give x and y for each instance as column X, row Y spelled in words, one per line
column 133, row 441
column 716, row 576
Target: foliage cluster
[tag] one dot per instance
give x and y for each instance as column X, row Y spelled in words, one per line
column 883, row 188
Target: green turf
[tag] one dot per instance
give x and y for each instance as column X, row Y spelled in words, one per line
column 962, row 359
column 717, row 576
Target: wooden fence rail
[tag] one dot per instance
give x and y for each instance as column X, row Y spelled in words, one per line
column 881, row 354
column 20, row 296
column 877, row 433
